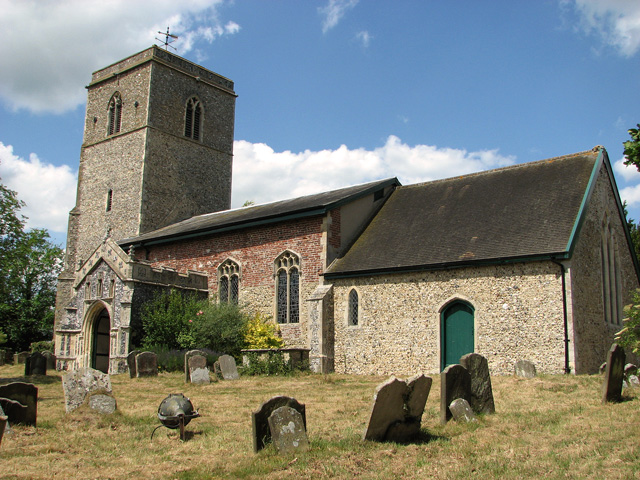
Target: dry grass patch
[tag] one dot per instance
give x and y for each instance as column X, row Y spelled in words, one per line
column 551, row 426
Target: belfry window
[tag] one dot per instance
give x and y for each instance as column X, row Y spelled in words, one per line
column 115, row 114
column 353, row 307
column 193, row 119
column 228, row 281
column 287, row 267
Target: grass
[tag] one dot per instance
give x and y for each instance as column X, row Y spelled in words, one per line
column 551, row 426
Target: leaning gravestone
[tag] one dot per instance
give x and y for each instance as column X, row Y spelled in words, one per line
column 7, row 428
column 146, row 364
column 187, row 356
column 462, row 411
column 78, row 384
column 455, row 382
column 228, row 367
column 16, row 412
column 481, row 391
column 3, row 423
column 35, row 364
column 524, row 368
column 288, row 431
column 27, row 395
column 101, row 402
column 198, row 371
column 261, row 431
column 131, row 363
column 397, row 409
column 614, row 375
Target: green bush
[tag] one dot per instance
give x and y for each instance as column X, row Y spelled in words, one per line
column 629, row 336
column 219, row 327
column 270, row 363
column 42, row 346
column 261, row 332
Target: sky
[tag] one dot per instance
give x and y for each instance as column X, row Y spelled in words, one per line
column 334, row 93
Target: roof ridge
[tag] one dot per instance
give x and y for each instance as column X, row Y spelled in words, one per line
column 595, row 149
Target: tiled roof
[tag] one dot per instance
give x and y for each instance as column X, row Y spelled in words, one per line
column 259, row 214
column 523, row 211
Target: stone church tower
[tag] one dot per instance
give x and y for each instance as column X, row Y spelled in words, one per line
column 157, row 149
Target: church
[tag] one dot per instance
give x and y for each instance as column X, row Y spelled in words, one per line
column 532, row 261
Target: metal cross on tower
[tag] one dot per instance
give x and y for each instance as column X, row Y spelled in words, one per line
column 166, row 42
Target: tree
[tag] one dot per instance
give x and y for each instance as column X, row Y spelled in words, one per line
column 30, row 264
column 632, row 148
column 634, row 231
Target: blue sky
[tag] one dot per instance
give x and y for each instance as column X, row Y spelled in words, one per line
column 334, row 92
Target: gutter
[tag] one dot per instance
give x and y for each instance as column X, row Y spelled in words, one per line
column 567, row 368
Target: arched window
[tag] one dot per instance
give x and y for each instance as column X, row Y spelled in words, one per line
column 228, row 281
column 115, row 114
column 353, row 307
column 193, row 119
column 611, row 281
column 287, row 267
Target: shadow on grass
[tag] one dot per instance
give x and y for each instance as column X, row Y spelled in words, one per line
column 34, row 379
column 423, row 438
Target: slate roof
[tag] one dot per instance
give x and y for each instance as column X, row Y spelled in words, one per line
column 524, row 211
column 227, row 220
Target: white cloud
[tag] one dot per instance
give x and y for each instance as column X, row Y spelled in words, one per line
column 616, row 21
column 48, row 47
column 263, row 175
column 48, row 191
column 364, row 37
column 628, row 173
column 334, row 11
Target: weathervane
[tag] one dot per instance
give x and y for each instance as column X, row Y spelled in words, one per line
column 167, row 43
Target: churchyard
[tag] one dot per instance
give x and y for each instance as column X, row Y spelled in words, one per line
column 546, row 426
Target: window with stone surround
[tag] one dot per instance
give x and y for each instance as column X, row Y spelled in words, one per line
column 611, row 280
column 228, row 281
column 193, row 119
column 354, row 307
column 287, row 272
column 115, row 114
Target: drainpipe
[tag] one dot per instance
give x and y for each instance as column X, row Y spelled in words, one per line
column 567, row 368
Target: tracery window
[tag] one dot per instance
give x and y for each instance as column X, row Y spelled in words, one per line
column 115, row 114
column 228, row 281
column 287, row 267
column 611, row 281
column 193, row 119
column 353, row 307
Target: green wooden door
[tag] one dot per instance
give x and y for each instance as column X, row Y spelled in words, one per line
column 456, row 333
column 101, row 340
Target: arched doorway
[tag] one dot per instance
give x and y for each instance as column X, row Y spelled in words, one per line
column 456, row 333
column 101, row 341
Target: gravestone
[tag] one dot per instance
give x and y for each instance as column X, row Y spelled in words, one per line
column 287, row 429
column 7, row 428
column 630, row 369
column 102, row 402
column 187, row 356
column 261, row 431
column 51, row 360
column 455, row 382
column 146, row 364
column 20, row 358
column 228, row 367
column 3, row 423
column 26, row 394
column 481, row 391
column 524, row 368
column 462, row 411
column 397, row 409
column 131, row 363
column 613, row 375
column 78, row 384
column 16, row 412
column 198, row 371
column 35, row 364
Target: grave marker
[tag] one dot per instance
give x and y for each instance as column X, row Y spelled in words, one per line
column 260, row 419
column 287, row 429
column 187, row 356
column 78, row 384
column 455, row 382
column 228, row 367
column 614, row 375
column 146, row 364
column 462, row 411
column 524, row 368
column 481, row 391
column 25, row 394
column 131, row 363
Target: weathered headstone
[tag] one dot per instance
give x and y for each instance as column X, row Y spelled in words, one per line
column 26, row 394
column 77, row 384
column 146, row 364
column 16, row 412
column 288, row 431
column 7, row 428
column 35, row 364
column 102, row 402
column 3, row 424
column 187, row 356
column 228, row 367
column 20, row 358
column 455, row 382
column 198, row 371
column 260, row 419
column 481, row 391
column 614, row 375
column 524, row 368
column 131, row 363
column 51, row 360
column 630, row 369
column 397, row 409
column 462, row 411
